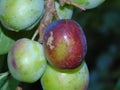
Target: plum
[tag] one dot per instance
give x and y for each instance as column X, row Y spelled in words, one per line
column 21, row 14
column 65, row 44
column 56, row 79
column 64, row 12
column 89, row 4
column 26, row 61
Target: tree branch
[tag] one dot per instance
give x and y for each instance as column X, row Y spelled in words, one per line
column 63, row 2
column 50, row 11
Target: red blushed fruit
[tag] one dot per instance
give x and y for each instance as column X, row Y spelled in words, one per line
column 64, row 44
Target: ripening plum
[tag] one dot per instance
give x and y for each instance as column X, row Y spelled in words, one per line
column 26, row 61
column 20, row 14
column 65, row 44
column 76, row 79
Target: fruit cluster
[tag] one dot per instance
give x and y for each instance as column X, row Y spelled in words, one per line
column 58, row 61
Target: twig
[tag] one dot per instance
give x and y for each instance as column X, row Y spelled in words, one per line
column 62, row 2
column 34, row 35
column 48, row 16
column 50, row 11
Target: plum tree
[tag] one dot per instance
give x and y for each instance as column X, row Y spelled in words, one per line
column 61, row 41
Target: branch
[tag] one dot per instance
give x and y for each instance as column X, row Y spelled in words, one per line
column 50, row 11
column 63, row 2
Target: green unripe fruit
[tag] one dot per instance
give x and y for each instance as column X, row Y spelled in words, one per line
column 26, row 61
column 64, row 12
column 55, row 79
column 89, row 4
column 20, row 14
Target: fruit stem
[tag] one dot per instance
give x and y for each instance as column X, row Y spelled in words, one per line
column 34, row 35
column 62, row 2
column 47, row 19
column 50, row 11
column 76, row 5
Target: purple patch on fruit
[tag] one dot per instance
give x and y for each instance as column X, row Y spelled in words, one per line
column 14, row 64
column 12, row 57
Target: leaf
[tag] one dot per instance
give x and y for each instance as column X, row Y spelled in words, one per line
column 10, row 84
column 3, row 78
column 7, row 82
column 5, row 43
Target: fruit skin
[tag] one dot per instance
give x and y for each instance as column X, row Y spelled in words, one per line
column 26, row 61
column 64, row 12
column 64, row 44
column 5, row 42
column 89, row 4
column 20, row 14
column 55, row 79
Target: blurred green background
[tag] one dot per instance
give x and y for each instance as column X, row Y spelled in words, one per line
column 102, row 29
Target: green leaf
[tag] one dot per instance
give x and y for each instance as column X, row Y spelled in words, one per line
column 3, row 78
column 10, row 84
column 7, row 82
column 5, row 43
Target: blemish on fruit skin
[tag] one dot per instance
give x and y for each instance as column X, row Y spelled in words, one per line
column 13, row 64
column 50, row 41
